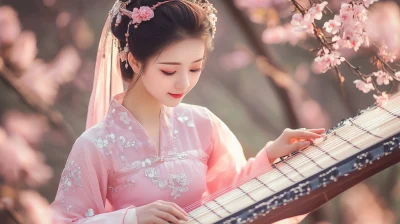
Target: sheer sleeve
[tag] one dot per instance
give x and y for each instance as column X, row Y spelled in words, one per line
column 227, row 158
column 82, row 191
column 227, row 163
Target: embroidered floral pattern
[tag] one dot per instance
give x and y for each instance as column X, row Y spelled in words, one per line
column 104, row 144
column 176, row 182
column 176, row 134
column 71, row 175
column 125, row 143
column 89, row 213
column 185, row 119
column 123, row 116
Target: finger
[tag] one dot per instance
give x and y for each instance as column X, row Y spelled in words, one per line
column 178, row 207
column 269, row 143
column 317, row 131
column 165, row 207
column 167, row 217
column 299, row 146
column 158, row 220
column 302, row 134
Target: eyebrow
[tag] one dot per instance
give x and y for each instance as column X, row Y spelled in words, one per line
column 177, row 63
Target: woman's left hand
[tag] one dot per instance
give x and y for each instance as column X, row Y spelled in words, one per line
column 292, row 140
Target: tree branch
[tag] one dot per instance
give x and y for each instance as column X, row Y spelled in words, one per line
column 259, row 48
column 55, row 118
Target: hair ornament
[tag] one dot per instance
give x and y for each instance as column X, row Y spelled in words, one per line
column 146, row 13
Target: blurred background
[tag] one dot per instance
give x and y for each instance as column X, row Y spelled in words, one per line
column 259, row 80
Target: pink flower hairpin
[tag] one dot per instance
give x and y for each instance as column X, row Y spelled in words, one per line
column 138, row 15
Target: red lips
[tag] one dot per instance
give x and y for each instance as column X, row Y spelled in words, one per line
column 176, row 96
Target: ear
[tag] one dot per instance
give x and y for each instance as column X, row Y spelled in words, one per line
column 135, row 65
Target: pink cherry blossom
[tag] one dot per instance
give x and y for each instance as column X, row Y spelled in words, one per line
column 364, row 86
column 9, row 25
column 236, row 60
column 382, row 77
column 302, row 24
column 360, row 13
column 30, row 127
column 382, row 99
column 18, row 159
column 282, row 34
column 387, row 55
column 305, row 23
column 36, row 207
column 63, row 19
column 328, row 60
column 23, row 51
column 346, row 12
column 64, row 67
column 45, row 79
column 37, row 79
column 316, row 11
column 384, row 34
column 397, row 76
column 333, row 25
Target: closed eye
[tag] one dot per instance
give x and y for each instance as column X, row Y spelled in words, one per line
column 171, row 73
column 197, row 70
column 168, row 73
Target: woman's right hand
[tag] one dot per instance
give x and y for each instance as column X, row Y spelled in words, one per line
column 161, row 212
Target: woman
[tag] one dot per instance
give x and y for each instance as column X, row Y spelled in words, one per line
column 151, row 155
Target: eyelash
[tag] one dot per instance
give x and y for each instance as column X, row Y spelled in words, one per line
column 169, row 74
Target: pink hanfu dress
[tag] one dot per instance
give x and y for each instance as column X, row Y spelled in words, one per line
column 116, row 162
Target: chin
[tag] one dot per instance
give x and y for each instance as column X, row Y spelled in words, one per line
column 172, row 102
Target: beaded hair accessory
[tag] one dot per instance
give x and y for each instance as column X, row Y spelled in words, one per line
column 146, row 13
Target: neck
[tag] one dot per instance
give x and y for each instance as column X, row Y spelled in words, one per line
column 141, row 104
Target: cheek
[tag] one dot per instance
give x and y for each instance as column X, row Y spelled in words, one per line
column 153, row 83
column 195, row 78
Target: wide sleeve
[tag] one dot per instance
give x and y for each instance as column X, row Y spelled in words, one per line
column 227, row 163
column 82, row 191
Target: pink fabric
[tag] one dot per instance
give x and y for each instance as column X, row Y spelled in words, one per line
column 116, row 160
column 107, row 79
column 114, row 166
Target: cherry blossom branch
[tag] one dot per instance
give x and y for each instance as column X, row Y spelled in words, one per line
column 385, row 63
column 33, row 100
column 349, row 28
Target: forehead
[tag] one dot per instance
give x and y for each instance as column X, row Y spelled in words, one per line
column 184, row 51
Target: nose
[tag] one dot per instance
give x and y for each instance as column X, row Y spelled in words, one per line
column 183, row 82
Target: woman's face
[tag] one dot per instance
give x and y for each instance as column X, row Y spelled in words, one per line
column 172, row 74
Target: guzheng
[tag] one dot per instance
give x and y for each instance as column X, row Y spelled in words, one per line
column 354, row 150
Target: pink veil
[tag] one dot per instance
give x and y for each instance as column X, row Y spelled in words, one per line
column 107, row 79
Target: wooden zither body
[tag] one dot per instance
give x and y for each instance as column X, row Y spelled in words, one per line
column 300, row 183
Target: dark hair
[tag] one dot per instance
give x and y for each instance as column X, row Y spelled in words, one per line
column 172, row 22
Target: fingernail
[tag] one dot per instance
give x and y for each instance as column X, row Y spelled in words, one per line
column 306, row 143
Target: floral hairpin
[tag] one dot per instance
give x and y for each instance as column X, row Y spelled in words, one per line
column 146, row 13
